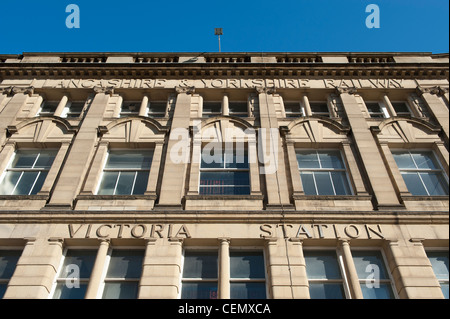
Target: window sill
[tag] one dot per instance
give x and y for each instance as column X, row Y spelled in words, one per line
column 24, row 197
column 425, row 198
column 224, row 197
column 115, row 197
column 332, row 197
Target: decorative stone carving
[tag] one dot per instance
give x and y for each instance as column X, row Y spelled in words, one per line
column 266, row 90
column 105, row 90
column 348, row 90
column 185, row 89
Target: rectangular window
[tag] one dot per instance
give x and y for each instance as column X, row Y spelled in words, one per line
column 126, row 173
column 130, row 109
column 27, row 172
column 157, row 109
column 439, row 262
column 48, row 108
column 324, row 275
column 225, row 173
column 238, row 108
column 212, row 109
column 373, row 276
column 247, row 275
column 8, row 263
column 320, row 109
column 123, row 275
column 323, row 173
column 376, row 110
column 200, row 275
column 73, row 278
column 293, row 109
column 401, row 108
column 421, row 172
column 73, row 109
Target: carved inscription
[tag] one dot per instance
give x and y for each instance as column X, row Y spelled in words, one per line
column 308, row 231
column 128, row 231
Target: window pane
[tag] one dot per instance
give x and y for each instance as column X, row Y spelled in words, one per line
column 121, row 290
column 3, row 290
column 369, row 263
column 404, row 160
column 26, row 182
column 108, row 183
column 308, row 183
column 439, row 262
column 212, row 107
column 247, row 265
column 414, row 184
column 326, row 291
column 24, row 159
column 331, row 159
column 236, row 159
column 127, row 159
column 322, row 265
column 125, row 183
column 125, row 264
column 213, row 157
column 340, row 183
column 373, row 107
column 225, row 190
column 81, row 260
column 424, row 160
column 40, row 181
column 248, row 290
column 64, row 292
column 323, row 182
column 240, row 107
column 45, row 159
column 140, row 185
column 158, row 107
column 199, row 290
column 9, row 182
column 307, row 159
column 8, row 262
column 224, row 178
column 383, row 291
column 400, row 107
column 444, row 288
column 435, row 183
column 292, row 107
column 319, row 107
column 200, row 265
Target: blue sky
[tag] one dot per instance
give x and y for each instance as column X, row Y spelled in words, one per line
column 248, row 26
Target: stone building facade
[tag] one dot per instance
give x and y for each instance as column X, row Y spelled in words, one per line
column 224, row 175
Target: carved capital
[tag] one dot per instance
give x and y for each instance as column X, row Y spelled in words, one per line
column 6, row 90
column 432, row 90
column 348, row 90
column 105, row 90
column 266, row 90
column 185, row 89
column 22, row 90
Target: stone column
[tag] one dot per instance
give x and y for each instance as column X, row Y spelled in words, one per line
column 394, row 171
column 354, row 171
column 307, row 106
column 154, row 169
column 161, row 269
column 350, row 270
column 224, row 268
column 77, row 164
column 144, row 106
column 225, row 105
column 378, row 177
column 14, row 106
column 437, row 107
column 172, row 186
column 97, row 270
column 293, row 166
column 54, row 170
column 36, row 270
column 62, row 104
column 271, row 152
column 411, row 270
